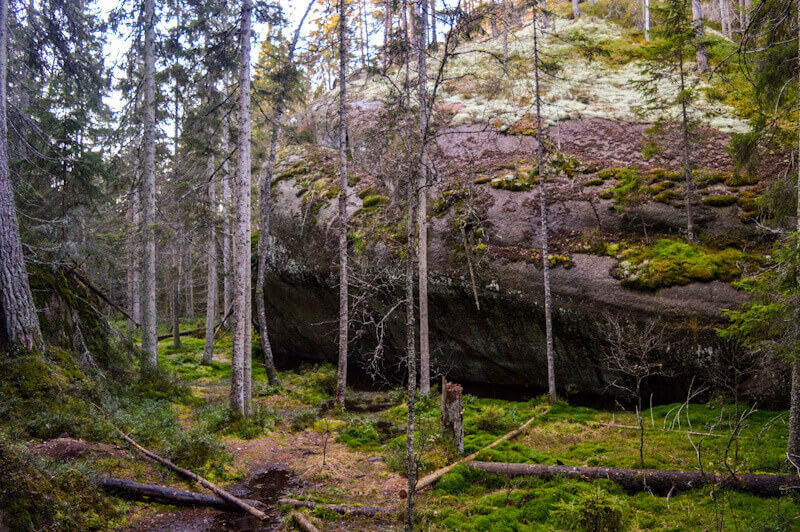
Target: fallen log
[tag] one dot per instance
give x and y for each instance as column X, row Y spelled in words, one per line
column 367, row 511
column 303, row 523
column 439, row 473
column 657, row 480
column 197, row 478
column 149, row 492
column 182, row 333
column 99, row 293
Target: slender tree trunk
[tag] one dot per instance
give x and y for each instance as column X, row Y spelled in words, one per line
column 422, row 186
column 551, row 372
column 264, row 193
column 687, row 167
column 189, row 282
column 387, row 32
column 21, row 322
column 227, row 252
column 362, row 39
column 341, row 380
column 576, row 10
column 241, row 239
column 700, row 36
column 646, row 16
column 505, row 32
column 411, row 357
column 793, row 444
column 434, row 37
column 212, row 282
column 722, row 19
column 135, row 260
column 149, row 312
column 748, row 8
column 175, row 290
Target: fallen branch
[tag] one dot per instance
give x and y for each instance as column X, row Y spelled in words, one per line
column 657, row 480
column 99, row 293
column 439, row 473
column 368, row 511
column 149, row 492
column 197, row 478
column 303, row 523
column 634, row 427
column 182, row 333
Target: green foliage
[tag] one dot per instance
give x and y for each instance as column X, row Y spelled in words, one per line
column 223, row 420
column 36, row 495
column 360, row 434
column 375, row 201
column 671, row 262
column 594, row 182
column 303, row 419
column 720, row 201
column 594, row 510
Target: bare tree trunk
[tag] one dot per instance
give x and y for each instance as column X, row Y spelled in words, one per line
column 227, row 299
column 748, row 8
column 551, row 372
column 149, row 311
column 505, row 32
column 551, row 375
column 793, row 444
column 175, row 290
column 700, row 36
column 387, row 31
column 576, row 10
column 422, row 185
column 411, row 357
column 434, row 37
column 135, row 260
column 264, row 193
column 362, row 40
column 241, row 237
column 21, row 322
column 687, row 168
column 646, row 17
column 341, row 379
column 189, row 283
column 723, row 19
column 211, row 284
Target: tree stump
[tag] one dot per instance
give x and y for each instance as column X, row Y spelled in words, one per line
column 452, row 414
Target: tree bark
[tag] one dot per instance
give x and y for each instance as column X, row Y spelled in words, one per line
column 505, row 32
column 411, row 356
column 227, row 252
column 422, row 186
column 212, row 282
column 161, row 494
column 793, row 443
column 175, row 297
column 700, row 36
column 548, row 321
column 434, row 37
column 657, row 480
column 723, row 19
column 149, row 311
column 303, row 523
column 576, row 10
column 646, row 17
column 19, row 313
column 452, row 413
column 136, row 260
column 341, row 379
column 240, row 398
column 387, row 32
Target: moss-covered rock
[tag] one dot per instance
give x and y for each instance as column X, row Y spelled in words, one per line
column 375, row 201
column 720, row 201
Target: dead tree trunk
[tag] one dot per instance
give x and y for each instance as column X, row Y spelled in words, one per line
column 700, row 36
column 211, row 284
column 452, row 413
column 658, row 480
column 149, row 312
column 341, row 380
column 240, row 398
column 422, row 210
column 150, row 493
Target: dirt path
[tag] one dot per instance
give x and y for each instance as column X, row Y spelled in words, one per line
column 287, row 464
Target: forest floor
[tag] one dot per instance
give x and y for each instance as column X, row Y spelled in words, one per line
column 297, row 446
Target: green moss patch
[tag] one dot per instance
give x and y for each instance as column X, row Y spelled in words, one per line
column 375, row 201
column 673, row 263
column 720, row 201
